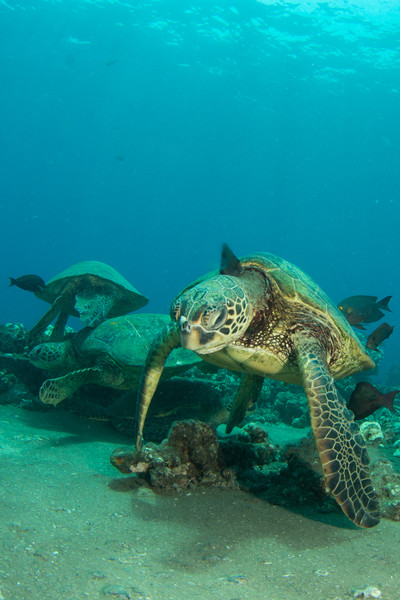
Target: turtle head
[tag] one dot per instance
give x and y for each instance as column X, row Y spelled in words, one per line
column 214, row 312
column 50, row 355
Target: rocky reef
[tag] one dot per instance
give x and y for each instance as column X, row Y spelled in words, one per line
column 13, row 338
column 19, row 380
column 185, row 450
column 193, row 456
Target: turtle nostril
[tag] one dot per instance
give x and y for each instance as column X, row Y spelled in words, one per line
column 184, row 324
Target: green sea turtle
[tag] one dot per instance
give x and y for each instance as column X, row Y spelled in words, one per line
column 263, row 316
column 91, row 290
column 112, row 355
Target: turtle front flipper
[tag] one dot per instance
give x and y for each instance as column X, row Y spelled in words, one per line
column 54, row 391
column 158, row 354
column 341, row 448
column 247, row 395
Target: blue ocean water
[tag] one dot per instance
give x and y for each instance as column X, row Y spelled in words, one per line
column 146, row 133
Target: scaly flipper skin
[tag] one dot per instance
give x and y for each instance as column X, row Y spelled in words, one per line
column 247, row 395
column 158, row 354
column 341, row 448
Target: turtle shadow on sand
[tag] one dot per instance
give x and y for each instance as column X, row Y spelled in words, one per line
column 192, row 458
column 77, row 430
column 297, row 488
column 104, row 414
column 212, row 520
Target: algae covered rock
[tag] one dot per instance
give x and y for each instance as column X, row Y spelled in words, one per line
column 292, row 407
column 193, row 456
column 12, row 338
column 372, row 432
column 195, row 442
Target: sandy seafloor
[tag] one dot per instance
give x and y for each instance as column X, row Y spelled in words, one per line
column 72, row 528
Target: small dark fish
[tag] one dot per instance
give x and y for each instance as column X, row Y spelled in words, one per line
column 119, row 157
column 378, row 335
column 30, row 283
column 366, row 399
column 363, row 309
column 111, row 62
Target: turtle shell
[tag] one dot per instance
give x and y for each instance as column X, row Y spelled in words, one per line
column 127, row 340
column 299, row 288
column 127, row 297
column 296, row 285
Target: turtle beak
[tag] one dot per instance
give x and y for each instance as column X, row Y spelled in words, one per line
column 184, row 325
column 187, row 334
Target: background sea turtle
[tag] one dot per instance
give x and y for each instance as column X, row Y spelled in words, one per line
column 112, row 355
column 263, row 316
column 91, row 290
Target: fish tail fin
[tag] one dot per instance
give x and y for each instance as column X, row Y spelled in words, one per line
column 384, row 303
column 387, row 400
column 12, row 281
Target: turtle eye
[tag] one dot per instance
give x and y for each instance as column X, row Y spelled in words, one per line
column 214, row 318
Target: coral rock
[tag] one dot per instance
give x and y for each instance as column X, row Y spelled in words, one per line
column 372, row 432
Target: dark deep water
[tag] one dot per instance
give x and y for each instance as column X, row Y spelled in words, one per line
column 144, row 134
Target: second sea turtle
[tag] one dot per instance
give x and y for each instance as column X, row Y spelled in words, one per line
column 111, row 355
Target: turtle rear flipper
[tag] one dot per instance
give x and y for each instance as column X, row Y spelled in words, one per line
column 341, row 448
column 54, row 391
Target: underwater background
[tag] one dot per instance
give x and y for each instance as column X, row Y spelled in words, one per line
column 145, row 134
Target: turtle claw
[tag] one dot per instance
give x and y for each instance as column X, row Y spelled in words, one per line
column 139, row 442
